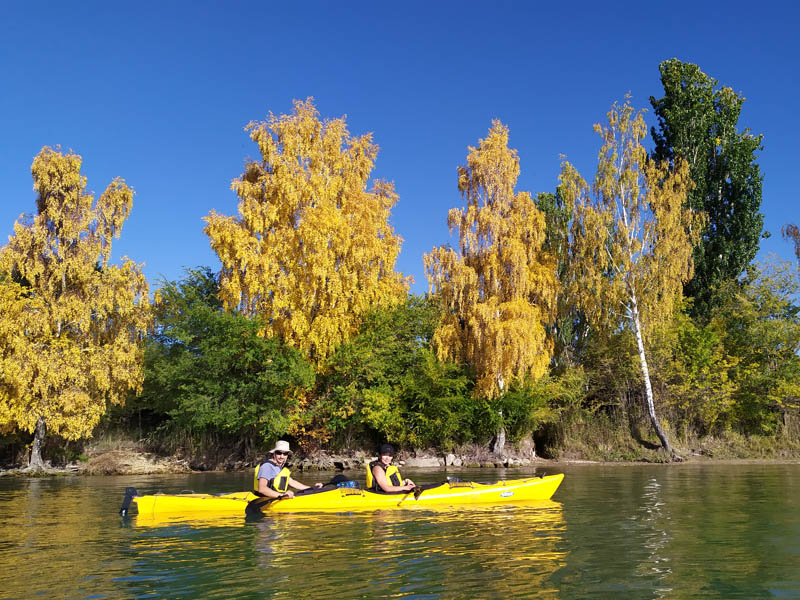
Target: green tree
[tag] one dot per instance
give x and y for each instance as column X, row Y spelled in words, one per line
column 569, row 328
column 692, row 371
column 760, row 319
column 697, row 122
column 211, row 372
column 386, row 383
column 630, row 246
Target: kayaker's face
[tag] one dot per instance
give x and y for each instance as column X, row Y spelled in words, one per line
column 279, row 458
column 386, row 459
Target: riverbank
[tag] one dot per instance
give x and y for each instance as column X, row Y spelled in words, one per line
column 131, row 460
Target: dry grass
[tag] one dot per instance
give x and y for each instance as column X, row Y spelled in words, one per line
column 128, row 462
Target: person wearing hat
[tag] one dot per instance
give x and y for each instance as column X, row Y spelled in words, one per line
column 273, row 478
column 383, row 476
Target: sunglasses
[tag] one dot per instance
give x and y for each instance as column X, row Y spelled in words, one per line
column 280, row 453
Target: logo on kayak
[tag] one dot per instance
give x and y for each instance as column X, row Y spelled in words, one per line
column 506, row 494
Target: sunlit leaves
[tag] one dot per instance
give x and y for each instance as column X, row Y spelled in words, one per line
column 631, row 236
column 311, row 250
column 498, row 289
column 71, row 323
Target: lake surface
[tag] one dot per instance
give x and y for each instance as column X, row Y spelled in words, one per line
column 650, row 531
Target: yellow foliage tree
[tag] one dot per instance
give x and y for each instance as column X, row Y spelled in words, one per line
column 631, row 237
column 71, row 324
column 312, row 250
column 498, row 290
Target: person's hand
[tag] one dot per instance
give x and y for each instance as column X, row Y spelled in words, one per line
column 318, row 485
column 288, row 494
column 409, row 486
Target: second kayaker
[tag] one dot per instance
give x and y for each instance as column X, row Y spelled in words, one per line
column 273, row 478
column 383, row 476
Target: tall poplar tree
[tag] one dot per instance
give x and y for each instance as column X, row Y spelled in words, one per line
column 631, row 237
column 71, row 323
column 498, row 289
column 311, row 250
column 697, row 122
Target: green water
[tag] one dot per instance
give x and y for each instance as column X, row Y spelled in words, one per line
column 679, row 531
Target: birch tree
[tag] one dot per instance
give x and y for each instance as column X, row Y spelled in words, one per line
column 71, row 323
column 631, row 237
column 498, row 288
column 312, row 249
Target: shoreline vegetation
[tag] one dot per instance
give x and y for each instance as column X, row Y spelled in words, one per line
column 618, row 318
column 118, row 456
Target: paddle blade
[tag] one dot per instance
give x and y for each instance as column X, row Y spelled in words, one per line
column 130, row 492
column 255, row 507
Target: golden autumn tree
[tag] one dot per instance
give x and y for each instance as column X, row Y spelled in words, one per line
column 631, row 237
column 312, row 249
column 71, row 323
column 498, row 289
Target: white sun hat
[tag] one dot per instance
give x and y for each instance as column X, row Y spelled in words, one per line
column 282, row 446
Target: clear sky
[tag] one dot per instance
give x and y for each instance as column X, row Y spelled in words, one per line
column 159, row 92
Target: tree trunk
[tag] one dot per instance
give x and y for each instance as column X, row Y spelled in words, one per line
column 500, row 440
column 36, row 463
column 637, row 328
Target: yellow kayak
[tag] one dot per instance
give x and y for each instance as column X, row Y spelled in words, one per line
column 345, row 499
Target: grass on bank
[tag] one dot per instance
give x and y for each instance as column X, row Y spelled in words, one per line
column 599, row 437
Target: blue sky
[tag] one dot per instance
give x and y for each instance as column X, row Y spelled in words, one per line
column 159, row 93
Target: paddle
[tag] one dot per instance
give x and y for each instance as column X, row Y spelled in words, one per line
column 256, row 505
column 130, row 492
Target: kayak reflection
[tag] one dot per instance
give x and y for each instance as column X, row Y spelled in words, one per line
column 484, row 551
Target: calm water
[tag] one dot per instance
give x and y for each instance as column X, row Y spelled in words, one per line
column 681, row 531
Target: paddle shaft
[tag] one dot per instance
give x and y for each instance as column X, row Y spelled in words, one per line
column 258, row 504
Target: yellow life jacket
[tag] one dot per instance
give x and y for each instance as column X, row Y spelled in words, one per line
column 279, row 483
column 392, row 474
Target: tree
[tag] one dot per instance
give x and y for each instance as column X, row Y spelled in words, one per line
column 312, row 249
column 693, row 368
column 698, row 124
column 569, row 329
column 631, row 237
column 211, row 373
column 385, row 383
column 73, row 323
column 498, row 290
column 791, row 233
column 760, row 321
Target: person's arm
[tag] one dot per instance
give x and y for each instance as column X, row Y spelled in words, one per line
column 384, row 483
column 302, row 486
column 263, row 487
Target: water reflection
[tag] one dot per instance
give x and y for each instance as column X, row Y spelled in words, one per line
column 688, row 531
column 505, row 551
column 653, row 520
